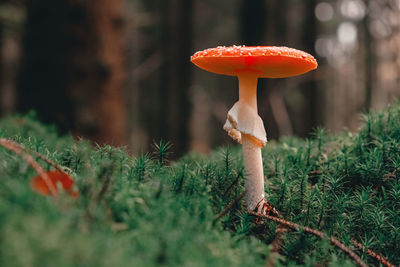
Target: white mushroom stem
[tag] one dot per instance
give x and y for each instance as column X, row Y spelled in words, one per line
column 252, row 160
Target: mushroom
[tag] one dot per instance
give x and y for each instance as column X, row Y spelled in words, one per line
column 243, row 123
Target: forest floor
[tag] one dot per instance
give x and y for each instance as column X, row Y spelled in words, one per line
column 148, row 211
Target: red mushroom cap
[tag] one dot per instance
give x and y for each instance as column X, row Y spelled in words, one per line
column 263, row 61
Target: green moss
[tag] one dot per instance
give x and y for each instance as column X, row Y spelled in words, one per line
column 145, row 210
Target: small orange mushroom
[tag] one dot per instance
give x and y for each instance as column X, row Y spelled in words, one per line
column 243, row 123
column 39, row 185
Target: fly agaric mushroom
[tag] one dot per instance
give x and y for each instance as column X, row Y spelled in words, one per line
column 243, row 123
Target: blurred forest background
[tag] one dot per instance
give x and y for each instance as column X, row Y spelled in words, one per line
column 119, row 71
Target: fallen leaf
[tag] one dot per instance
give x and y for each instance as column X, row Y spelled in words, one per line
column 38, row 184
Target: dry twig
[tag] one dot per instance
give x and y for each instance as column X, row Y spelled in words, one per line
column 373, row 254
column 317, row 233
column 20, row 150
column 232, row 184
column 391, row 175
column 279, row 232
column 229, row 207
column 48, row 161
column 277, row 243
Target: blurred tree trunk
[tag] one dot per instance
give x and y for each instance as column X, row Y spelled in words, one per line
column 369, row 62
column 169, row 106
column 277, row 35
column 252, row 21
column 178, row 97
column 164, row 90
column 110, row 103
column 72, row 69
column 3, row 110
column 256, row 22
column 313, row 106
column 10, row 29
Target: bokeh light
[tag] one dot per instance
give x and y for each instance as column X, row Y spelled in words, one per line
column 347, row 34
column 324, row 11
column 380, row 29
column 353, row 9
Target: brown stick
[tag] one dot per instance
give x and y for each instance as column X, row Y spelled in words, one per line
column 232, row 184
column 229, row 207
column 317, row 233
column 45, row 159
column 373, row 254
column 279, row 232
column 19, row 150
column 391, row 175
column 277, row 243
